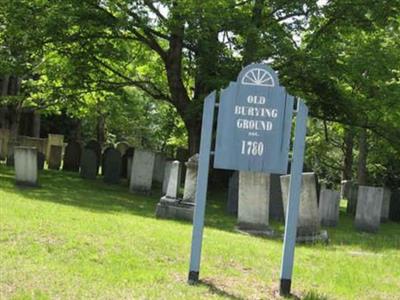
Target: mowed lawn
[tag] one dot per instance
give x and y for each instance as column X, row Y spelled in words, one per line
column 77, row 239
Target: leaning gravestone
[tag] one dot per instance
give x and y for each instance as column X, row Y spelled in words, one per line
column 253, row 208
column 89, row 164
column 53, row 140
column 26, row 170
column 41, row 158
column 72, row 156
column 142, row 171
column 329, row 202
column 96, row 148
column 385, row 205
column 369, row 204
column 308, row 225
column 125, row 171
column 112, row 166
column 55, row 157
column 233, row 193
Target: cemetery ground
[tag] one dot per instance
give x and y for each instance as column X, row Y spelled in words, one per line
column 76, row 239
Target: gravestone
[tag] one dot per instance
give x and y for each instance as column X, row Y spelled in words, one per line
column 4, row 140
column 55, row 157
column 369, row 205
column 233, row 194
column 308, row 225
column 26, row 169
column 72, row 156
column 275, row 199
column 352, row 200
column 189, row 191
column 112, row 166
column 41, row 158
column 96, row 148
column 159, row 167
column 170, row 207
column 394, row 213
column 329, row 202
column 253, row 208
column 89, row 164
column 53, row 140
column 142, row 171
column 125, row 171
column 103, row 157
column 122, row 147
column 168, row 165
column 385, row 204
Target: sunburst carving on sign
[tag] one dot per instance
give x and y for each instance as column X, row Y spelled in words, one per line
column 258, row 76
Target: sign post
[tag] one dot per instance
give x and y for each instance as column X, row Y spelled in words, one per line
column 253, row 134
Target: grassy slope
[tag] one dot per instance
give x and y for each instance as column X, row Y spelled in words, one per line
column 76, row 239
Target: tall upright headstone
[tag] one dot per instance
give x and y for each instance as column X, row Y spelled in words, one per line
column 127, row 163
column 142, row 171
column 112, row 166
column 89, row 164
column 55, row 157
column 170, row 207
column 26, row 169
column 308, row 224
column 72, row 156
column 385, row 204
column 329, row 203
column 189, row 190
column 168, row 165
column 369, row 205
column 159, row 167
column 96, row 148
column 253, row 208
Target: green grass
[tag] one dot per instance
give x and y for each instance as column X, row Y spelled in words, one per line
column 77, row 239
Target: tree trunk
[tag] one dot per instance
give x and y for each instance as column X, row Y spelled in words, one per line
column 101, row 130
column 15, row 120
column 362, row 158
column 348, row 154
column 4, row 85
column 194, row 134
column 252, row 40
column 36, row 124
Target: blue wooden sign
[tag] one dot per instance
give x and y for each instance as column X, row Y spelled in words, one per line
column 254, row 123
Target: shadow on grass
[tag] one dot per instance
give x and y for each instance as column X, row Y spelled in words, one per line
column 68, row 188
column 218, row 291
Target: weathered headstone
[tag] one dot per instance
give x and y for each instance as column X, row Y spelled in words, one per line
column 189, row 190
column 125, row 171
column 170, row 207
column 352, row 201
column 168, row 165
column 385, row 204
column 329, row 202
column 41, row 158
column 275, row 198
column 72, row 156
column 233, row 194
column 394, row 213
column 103, row 158
column 142, row 171
column 26, row 170
column 253, row 208
column 89, row 164
column 112, row 166
column 53, row 140
column 96, row 148
column 308, row 224
column 369, row 205
column 55, row 157
column 122, row 147
column 159, row 167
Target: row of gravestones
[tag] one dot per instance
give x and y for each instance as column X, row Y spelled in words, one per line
column 257, row 197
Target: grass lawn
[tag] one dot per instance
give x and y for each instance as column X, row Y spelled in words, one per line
column 76, row 239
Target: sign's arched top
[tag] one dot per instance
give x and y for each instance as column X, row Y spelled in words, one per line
column 258, row 75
